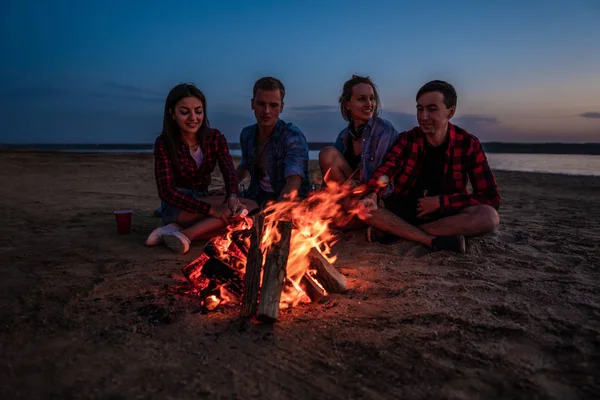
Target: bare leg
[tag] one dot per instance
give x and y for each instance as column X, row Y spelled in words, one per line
column 472, row 221
column 330, row 159
column 389, row 222
column 352, row 225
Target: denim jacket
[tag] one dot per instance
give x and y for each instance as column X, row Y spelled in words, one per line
column 287, row 154
column 377, row 139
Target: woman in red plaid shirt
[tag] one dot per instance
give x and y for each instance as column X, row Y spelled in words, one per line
column 185, row 155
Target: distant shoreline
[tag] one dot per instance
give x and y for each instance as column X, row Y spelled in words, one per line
column 489, row 147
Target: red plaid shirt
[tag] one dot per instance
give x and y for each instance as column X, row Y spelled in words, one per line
column 185, row 173
column 465, row 161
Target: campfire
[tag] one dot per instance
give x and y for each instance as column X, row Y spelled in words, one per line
column 275, row 259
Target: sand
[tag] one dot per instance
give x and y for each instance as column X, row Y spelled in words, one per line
column 87, row 313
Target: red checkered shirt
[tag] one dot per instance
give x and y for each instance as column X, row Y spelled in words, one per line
column 465, row 161
column 185, row 173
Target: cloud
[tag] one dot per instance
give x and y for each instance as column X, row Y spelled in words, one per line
column 25, row 92
column 230, row 124
column 83, row 126
column 130, row 93
column 129, row 88
column 591, row 114
column 128, row 97
column 472, row 119
column 72, row 95
column 323, row 107
column 401, row 121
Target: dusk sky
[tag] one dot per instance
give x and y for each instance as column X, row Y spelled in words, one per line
column 99, row 72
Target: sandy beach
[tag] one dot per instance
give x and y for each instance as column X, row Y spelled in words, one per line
column 87, row 313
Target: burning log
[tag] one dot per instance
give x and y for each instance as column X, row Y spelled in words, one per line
column 311, row 287
column 274, row 274
column 220, row 267
column 331, row 279
column 208, row 271
column 253, row 268
column 193, row 272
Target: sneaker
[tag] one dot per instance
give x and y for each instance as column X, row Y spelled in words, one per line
column 156, row 236
column 375, row 235
column 450, row 243
column 177, row 242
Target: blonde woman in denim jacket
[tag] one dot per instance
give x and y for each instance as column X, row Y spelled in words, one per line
column 361, row 146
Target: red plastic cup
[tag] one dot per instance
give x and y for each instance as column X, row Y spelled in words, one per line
column 123, row 218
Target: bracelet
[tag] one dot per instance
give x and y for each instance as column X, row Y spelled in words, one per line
column 233, row 195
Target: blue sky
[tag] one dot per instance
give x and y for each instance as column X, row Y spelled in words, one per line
column 99, row 72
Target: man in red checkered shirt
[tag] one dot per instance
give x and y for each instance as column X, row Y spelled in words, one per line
column 428, row 170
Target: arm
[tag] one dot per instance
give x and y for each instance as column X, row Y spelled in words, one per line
column 165, row 183
column 485, row 188
column 241, row 173
column 292, row 183
column 226, row 165
column 389, row 166
column 296, row 162
column 242, row 169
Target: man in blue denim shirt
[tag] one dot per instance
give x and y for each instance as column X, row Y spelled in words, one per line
column 274, row 153
column 362, row 145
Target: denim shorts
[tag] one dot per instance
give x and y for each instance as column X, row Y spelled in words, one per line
column 169, row 212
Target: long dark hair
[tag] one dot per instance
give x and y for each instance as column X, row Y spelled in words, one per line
column 170, row 131
column 347, row 94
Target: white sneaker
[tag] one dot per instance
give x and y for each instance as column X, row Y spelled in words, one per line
column 177, row 242
column 156, row 236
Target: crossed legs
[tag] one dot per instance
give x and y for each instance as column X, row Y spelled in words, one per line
column 189, row 226
column 471, row 221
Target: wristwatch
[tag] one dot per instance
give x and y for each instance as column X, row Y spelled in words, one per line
column 233, row 195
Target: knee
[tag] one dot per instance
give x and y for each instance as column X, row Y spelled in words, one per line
column 489, row 217
column 328, row 156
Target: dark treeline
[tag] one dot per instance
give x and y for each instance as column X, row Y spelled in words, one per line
column 489, row 147
column 529, row 148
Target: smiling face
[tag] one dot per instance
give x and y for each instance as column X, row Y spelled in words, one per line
column 362, row 103
column 432, row 114
column 267, row 105
column 189, row 114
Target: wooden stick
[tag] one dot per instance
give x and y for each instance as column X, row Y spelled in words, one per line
column 253, row 267
column 329, row 277
column 274, row 274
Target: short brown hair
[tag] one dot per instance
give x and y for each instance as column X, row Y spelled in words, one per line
column 268, row 83
column 347, row 94
column 446, row 89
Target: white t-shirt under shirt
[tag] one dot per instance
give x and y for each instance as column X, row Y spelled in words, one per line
column 197, row 155
column 265, row 184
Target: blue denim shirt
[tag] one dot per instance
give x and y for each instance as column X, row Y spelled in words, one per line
column 287, row 154
column 377, row 139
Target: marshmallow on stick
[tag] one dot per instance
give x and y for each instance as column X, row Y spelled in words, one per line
column 383, row 181
column 242, row 213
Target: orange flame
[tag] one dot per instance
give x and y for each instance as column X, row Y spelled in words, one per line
column 223, row 243
column 312, row 219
